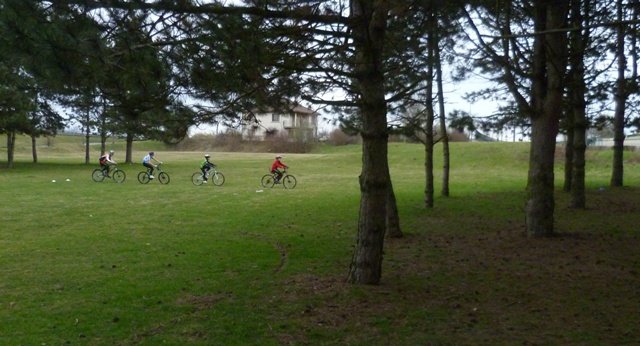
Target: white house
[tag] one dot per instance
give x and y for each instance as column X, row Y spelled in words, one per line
column 297, row 123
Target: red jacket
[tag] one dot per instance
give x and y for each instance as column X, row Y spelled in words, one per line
column 277, row 164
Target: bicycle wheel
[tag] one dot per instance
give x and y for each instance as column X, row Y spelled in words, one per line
column 217, row 179
column 119, row 176
column 143, row 178
column 197, row 179
column 163, row 178
column 97, row 175
column 289, row 181
column 267, row 180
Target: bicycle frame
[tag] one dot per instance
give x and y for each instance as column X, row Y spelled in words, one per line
column 112, row 171
column 287, row 180
column 144, row 177
column 213, row 171
column 217, row 177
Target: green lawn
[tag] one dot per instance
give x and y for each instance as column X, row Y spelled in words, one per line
column 106, row 263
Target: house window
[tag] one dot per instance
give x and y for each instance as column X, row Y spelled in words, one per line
column 275, row 117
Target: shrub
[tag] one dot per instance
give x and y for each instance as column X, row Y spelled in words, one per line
column 228, row 141
column 338, row 137
column 399, row 138
column 284, row 144
column 456, row 136
column 232, row 141
column 196, row 142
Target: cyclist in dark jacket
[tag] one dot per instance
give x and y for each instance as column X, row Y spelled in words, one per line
column 205, row 167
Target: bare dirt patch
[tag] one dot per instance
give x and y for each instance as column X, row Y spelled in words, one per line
column 202, row 302
column 489, row 287
column 281, row 248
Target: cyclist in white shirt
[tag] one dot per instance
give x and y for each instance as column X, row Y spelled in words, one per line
column 146, row 161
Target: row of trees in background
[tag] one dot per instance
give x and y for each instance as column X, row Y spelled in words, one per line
column 153, row 68
column 113, row 77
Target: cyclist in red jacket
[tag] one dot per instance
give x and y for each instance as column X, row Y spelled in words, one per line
column 275, row 168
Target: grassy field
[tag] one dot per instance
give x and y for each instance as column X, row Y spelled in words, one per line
column 87, row 263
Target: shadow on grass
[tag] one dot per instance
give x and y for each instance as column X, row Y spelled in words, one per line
column 476, row 278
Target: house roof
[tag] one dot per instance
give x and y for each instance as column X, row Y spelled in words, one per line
column 296, row 108
column 303, row 110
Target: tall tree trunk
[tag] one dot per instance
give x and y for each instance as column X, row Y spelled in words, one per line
column 103, row 134
column 11, row 145
column 549, row 66
column 369, row 27
column 620, row 98
column 129, row 151
column 393, row 218
column 103, row 127
column 429, row 140
column 634, row 38
column 443, row 126
column 34, row 149
column 428, row 168
column 569, row 123
column 568, row 152
column 578, row 105
column 87, row 140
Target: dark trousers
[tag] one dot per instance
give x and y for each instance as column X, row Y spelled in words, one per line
column 149, row 167
column 205, row 170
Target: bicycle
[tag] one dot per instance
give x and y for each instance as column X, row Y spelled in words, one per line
column 112, row 172
column 287, row 180
column 213, row 175
column 163, row 177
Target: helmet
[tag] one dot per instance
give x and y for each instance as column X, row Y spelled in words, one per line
column 151, row 153
column 207, row 155
column 111, row 151
column 279, row 157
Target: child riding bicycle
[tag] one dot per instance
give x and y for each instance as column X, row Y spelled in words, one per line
column 106, row 161
column 205, row 167
column 275, row 168
column 146, row 161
